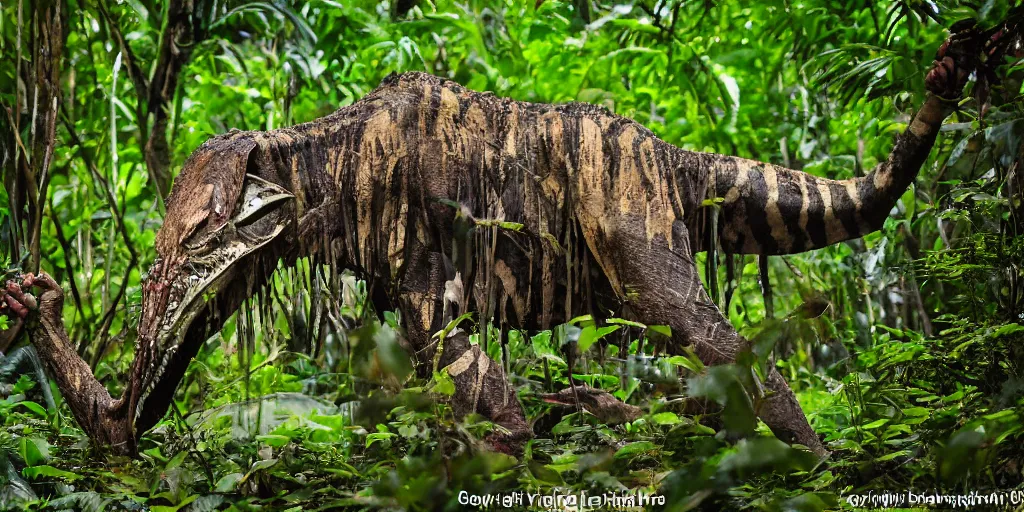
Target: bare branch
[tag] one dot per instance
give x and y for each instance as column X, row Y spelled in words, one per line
column 48, row 56
column 135, row 73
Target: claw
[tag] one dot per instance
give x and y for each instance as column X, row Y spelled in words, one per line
column 962, row 53
column 16, row 300
column 42, row 281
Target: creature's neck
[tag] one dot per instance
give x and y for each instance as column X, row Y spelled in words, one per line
column 319, row 162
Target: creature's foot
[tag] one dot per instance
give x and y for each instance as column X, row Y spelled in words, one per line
column 608, row 409
column 481, row 386
column 515, row 435
column 17, row 302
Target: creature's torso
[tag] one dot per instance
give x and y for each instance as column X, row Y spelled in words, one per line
column 429, row 160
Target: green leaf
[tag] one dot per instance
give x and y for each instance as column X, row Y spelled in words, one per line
column 893, row 455
column 274, row 440
column 962, row 454
column 690, row 362
column 665, row 418
column 663, row 330
column 384, row 438
column 33, row 450
column 636, row 448
column 36, row 409
column 175, row 508
column 228, row 482
column 581, row 319
column 262, row 464
column 763, row 454
column 176, row 460
column 1007, row 329
column 875, row 424
column 35, row 472
column 443, row 383
column 621, row 321
column 590, row 334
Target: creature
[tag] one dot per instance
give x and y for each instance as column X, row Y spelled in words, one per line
column 445, row 198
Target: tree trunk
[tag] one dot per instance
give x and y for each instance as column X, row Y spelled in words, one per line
column 183, row 29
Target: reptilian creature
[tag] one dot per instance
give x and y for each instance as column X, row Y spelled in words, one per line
column 610, row 219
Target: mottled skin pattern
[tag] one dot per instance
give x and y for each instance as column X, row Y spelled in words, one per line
column 405, row 187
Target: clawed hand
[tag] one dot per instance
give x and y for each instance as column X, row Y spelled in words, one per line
column 958, row 57
column 17, row 301
column 942, row 80
column 949, row 72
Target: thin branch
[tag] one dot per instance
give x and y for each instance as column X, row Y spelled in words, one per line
column 66, row 248
column 135, row 74
column 766, row 286
column 47, row 58
column 117, row 215
column 105, row 185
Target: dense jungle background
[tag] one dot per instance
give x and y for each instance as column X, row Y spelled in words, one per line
column 904, row 348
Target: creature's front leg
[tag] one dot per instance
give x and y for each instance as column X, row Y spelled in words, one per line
column 104, row 419
column 481, row 385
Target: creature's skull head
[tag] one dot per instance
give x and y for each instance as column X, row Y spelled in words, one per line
column 219, row 213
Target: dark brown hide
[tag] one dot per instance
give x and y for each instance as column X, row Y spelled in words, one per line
column 540, row 212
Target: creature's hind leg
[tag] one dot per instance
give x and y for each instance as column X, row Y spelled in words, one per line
column 660, row 284
column 480, row 383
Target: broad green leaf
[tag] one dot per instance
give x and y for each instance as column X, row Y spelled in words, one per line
column 33, row 450
column 665, row 418
column 875, row 424
column 38, row 472
column 636, row 448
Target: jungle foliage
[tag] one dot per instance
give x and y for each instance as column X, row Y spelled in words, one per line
column 904, row 348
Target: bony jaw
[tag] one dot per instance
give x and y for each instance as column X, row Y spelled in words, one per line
column 207, row 261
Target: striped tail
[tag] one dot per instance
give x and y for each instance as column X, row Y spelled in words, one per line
column 773, row 210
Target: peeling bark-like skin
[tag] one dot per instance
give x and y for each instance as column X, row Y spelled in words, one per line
column 102, row 418
column 409, row 187
column 607, row 212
